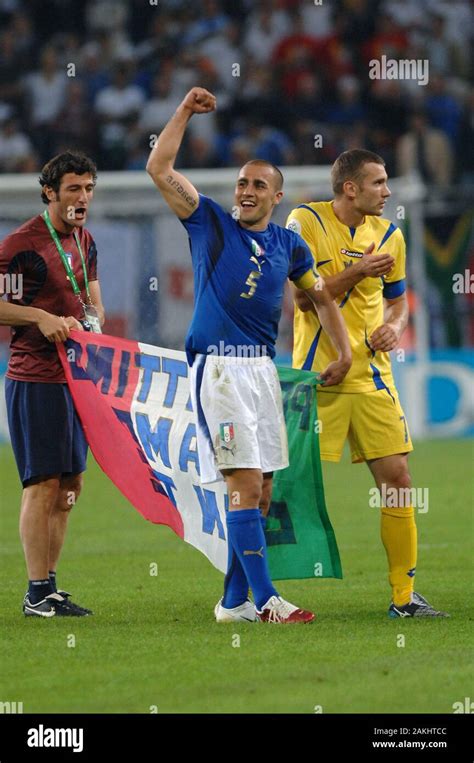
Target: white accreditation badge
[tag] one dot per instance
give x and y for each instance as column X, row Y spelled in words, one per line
column 91, row 318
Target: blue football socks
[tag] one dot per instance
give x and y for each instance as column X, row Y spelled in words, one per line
column 236, row 585
column 246, row 538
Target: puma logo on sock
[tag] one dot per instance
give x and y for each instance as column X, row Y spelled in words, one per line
column 258, row 553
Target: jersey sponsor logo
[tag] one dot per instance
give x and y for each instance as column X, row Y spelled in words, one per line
column 294, row 225
column 348, row 253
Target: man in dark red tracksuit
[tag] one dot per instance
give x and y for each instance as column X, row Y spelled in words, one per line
column 54, row 260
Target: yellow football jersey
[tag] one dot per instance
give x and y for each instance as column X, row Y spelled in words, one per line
column 335, row 247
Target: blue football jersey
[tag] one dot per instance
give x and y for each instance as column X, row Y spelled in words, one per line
column 239, row 280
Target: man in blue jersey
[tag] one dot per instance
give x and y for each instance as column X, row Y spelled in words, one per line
column 241, row 262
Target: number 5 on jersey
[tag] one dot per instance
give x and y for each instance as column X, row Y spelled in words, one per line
column 252, row 282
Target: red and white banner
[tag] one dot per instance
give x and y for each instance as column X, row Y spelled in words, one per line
column 134, row 404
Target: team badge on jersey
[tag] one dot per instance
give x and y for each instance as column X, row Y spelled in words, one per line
column 257, row 249
column 227, row 435
column 294, row 225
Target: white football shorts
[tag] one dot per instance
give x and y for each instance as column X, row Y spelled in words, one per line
column 239, row 415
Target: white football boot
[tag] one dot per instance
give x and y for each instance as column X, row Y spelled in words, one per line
column 244, row 612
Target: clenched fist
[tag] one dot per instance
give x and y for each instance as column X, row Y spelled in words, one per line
column 335, row 372
column 199, row 101
column 385, row 338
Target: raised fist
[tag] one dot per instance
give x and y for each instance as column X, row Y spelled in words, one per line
column 199, row 101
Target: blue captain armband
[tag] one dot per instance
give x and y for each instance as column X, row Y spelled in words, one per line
column 394, row 289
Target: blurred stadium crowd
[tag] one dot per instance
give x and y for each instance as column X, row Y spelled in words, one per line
column 105, row 75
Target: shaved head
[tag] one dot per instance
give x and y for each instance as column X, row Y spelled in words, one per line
column 277, row 175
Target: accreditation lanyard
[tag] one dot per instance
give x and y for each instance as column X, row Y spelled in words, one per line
column 65, row 261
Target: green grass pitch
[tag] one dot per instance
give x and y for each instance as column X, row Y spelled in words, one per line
column 153, row 643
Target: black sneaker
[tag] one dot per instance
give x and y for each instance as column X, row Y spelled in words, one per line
column 66, row 595
column 43, row 608
column 417, row 607
column 51, row 606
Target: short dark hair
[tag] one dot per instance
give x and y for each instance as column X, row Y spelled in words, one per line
column 68, row 161
column 264, row 163
column 348, row 166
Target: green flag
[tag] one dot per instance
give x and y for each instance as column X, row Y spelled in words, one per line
column 300, row 538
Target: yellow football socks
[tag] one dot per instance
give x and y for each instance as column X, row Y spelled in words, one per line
column 398, row 531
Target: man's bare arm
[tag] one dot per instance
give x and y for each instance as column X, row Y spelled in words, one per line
column 386, row 337
column 178, row 192
column 333, row 324
column 54, row 328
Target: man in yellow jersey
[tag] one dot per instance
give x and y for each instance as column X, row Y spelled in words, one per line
column 362, row 259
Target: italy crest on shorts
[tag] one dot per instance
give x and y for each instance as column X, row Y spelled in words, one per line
column 227, row 435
